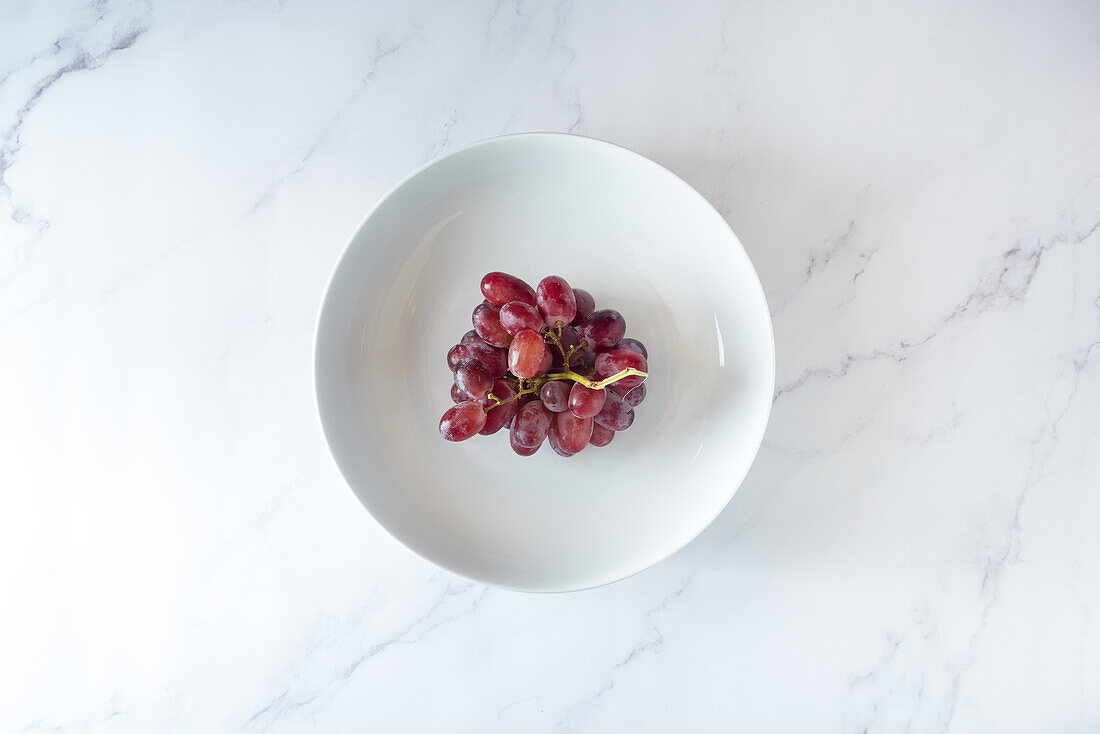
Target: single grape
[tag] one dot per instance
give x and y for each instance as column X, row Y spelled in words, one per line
column 469, row 336
column 458, row 395
column 501, row 288
column 547, row 361
column 633, row 345
column 555, row 442
column 521, row 450
column 516, row 316
column 603, row 328
column 501, row 390
column 585, row 402
column 473, row 378
column 601, row 436
column 531, row 425
column 615, row 361
column 486, row 318
column 586, row 304
column 573, row 432
column 556, row 301
column 524, row 399
column 462, row 421
column 495, row 359
column 555, row 396
column 615, row 414
column 456, row 353
column 632, row 395
column 497, row 418
column 526, row 354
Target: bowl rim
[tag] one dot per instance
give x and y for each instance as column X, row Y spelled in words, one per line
column 583, row 139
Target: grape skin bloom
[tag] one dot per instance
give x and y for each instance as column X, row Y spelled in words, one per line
column 462, row 421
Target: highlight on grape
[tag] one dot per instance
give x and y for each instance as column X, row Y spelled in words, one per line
column 545, row 363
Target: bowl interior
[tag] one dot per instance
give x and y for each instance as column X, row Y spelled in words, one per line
column 641, row 241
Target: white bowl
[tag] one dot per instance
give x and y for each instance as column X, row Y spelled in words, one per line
column 641, row 241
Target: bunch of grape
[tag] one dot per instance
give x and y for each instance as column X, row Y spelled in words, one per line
column 548, row 365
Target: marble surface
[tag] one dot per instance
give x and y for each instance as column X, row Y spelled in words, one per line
column 915, row 548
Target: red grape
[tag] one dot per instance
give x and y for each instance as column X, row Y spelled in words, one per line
column 501, row 288
column 517, row 316
column 586, row 304
column 462, row 421
column 634, row 345
column 555, row 396
column 616, row 414
column 526, row 354
column 615, row 361
column 502, row 390
column 524, row 399
column 456, row 353
column 500, row 416
column 496, row 360
column 632, row 395
column 547, row 361
column 521, row 450
column 473, row 378
column 601, row 436
column 572, row 432
column 486, row 320
column 458, row 395
column 555, row 442
column 556, row 301
column 531, row 425
column 585, row 402
column 469, row 336
column 603, row 328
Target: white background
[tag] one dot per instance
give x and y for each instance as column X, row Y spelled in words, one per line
column 915, row 549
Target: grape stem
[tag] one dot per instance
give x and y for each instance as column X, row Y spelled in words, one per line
column 592, row 384
column 497, row 402
column 534, row 384
column 554, row 337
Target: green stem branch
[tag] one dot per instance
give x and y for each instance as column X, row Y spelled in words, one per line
column 593, row 384
column 534, row 384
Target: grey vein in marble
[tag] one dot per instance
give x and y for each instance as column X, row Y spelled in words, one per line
column 651, row 640
column 382, row 51
column 81, row 60
column 1004, row 283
